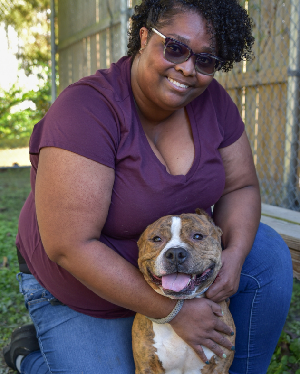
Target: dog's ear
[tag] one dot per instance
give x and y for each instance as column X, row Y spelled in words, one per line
column 141, row 241
column 199, row 211
column 202, row 212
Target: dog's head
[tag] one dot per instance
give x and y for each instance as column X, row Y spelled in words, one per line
column 180, row 256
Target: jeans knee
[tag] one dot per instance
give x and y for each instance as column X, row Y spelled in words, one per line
column 272, row 252
column 268, row 265
column 272, row 243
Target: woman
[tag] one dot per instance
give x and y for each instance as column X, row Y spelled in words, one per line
column 153, row 135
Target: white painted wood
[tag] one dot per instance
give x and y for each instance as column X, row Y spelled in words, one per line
column 282, row 227
column 290, row 232
column 282, row 213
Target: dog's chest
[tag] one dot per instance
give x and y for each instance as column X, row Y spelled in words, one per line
column 175, row 355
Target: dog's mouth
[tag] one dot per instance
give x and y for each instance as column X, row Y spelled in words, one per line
column 182, row 282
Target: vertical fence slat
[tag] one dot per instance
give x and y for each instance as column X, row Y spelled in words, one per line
column 93, row 53
column 250, row 106
column 102, row 49
column 263, row 139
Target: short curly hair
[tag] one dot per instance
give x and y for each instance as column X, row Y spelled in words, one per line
column 228, row 24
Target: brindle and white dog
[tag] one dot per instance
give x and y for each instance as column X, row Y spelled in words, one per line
column 180, row 257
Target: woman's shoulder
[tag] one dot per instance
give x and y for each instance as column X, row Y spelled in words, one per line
column 88, row 117
column 217, row 104
column 112, row 83
column 218, row 94
column 217, row 99
column 101, row 96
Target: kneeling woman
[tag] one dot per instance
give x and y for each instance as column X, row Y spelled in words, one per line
column 153, row 135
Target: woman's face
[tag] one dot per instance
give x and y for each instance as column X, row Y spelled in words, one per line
column 162, row 84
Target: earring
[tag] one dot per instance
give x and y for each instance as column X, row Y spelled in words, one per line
column 141, row 49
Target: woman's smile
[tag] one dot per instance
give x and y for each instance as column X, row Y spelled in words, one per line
column 177, row 84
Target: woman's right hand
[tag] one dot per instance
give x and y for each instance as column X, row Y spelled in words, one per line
column 198, row 325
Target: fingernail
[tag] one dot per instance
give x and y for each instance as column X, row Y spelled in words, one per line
column 233, row 348
column 207, row 362
column 224, row 356
column 222, row 312
column 232, row 333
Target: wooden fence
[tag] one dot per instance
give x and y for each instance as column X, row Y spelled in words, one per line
column 92, row 34
column 266, row 92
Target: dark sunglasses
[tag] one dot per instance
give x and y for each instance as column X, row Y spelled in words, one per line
column 177, row 52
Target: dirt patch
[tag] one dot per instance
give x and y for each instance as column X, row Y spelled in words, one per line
column 10, row 157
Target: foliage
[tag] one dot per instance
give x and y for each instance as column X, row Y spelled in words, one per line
column 29, row 18
column 286, row 358
column 17, row 125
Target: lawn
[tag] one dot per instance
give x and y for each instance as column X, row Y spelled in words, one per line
column 14, row 189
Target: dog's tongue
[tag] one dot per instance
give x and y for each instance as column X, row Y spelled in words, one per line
column 175, row 282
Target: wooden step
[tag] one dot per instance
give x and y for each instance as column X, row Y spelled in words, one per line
column 287, row 223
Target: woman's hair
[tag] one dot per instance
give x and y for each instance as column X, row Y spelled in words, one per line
column 228, row 24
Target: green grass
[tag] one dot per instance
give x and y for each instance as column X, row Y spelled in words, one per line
column 14, row 143
column 14, row 189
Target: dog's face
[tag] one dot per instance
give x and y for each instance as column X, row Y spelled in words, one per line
column 180, row 256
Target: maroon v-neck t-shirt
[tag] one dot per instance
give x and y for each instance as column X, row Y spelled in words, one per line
column 96, row 118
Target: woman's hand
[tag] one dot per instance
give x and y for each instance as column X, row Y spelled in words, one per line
column 198, row 325
column 227, row 282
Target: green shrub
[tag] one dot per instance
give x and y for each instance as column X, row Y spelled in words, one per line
column 16, row 125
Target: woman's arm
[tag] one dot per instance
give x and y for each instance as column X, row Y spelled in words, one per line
column 238, row 214
column 73, row 195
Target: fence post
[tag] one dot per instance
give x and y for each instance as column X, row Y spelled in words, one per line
column 292, row 110
column 124, row 19
column 53, row 53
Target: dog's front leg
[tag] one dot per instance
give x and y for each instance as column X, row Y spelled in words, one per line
column 144, row 352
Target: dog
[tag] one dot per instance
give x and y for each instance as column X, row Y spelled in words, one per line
column 180, row 257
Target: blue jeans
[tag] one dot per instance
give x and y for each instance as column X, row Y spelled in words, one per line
column 72, row 343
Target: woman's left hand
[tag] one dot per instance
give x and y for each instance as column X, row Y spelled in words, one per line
column 227, row 282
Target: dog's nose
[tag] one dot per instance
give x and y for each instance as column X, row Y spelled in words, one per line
column 176, row 255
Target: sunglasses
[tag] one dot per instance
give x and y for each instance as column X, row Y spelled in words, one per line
column 177, row 52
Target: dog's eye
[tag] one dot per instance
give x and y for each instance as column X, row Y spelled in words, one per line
column 198, row 236
column 157, row 239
